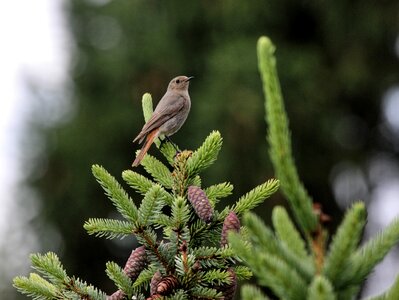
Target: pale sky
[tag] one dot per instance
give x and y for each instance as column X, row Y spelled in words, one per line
column 35, row 46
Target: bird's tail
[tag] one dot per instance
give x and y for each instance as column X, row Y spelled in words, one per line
column 147, row 144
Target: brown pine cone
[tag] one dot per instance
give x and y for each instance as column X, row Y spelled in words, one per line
column 167, row 285
column 154, row 282
column 231, row 223
column 118, row 295
column 200, row 203
column 230, row 290
column 136, row 263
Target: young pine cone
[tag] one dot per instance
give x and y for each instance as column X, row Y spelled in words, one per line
column 136, row 263
column 230, row 290
column 156, row 279
column 231, row 223
column 200, row 203
column 118, row 295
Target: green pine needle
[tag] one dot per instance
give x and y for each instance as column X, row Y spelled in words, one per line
column 205, row 155
column 118, row 276
column 217, row 191
column 260, row 234
column 279, row 139
column 256, row 196
column 35, row 287
column 116, row 193
column 250, row 292
column 276, row 274
column 181, row 212
column 82, row 290
column 268, row 267
column 178, row 295
column 151, row 205
column 345, row 241
column 370, row 254
column 50, row 266
column 264, row 240
column 184, row 264
column 108, row 228
column 158, row 171
column 216, row 277
column 321, row 289
column 243, row 272
column 205, row 293
column 287, row 233
column 137, row 181
column 280, row 277
column 144, row 278
column 147, row 105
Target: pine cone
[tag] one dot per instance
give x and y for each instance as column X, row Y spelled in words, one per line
column 231, row 223
column 200, row 202
column 118, row 295
column 167, row 285
column 136, row 263
column 230, row 290
column 156, row 279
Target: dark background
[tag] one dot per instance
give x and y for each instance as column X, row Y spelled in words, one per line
column 336, row 60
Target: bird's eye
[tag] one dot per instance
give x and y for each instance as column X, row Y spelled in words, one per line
column 177, row 81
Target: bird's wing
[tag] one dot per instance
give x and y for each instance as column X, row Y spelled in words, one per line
column 166, row 109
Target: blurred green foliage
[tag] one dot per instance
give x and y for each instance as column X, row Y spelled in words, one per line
column 335, row 60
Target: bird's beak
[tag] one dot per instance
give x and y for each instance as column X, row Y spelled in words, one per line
column 189, row 78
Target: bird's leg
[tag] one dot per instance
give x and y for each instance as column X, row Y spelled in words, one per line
column 162, row 142
column 173, row 144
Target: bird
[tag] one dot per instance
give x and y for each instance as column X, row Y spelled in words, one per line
column 168, row 117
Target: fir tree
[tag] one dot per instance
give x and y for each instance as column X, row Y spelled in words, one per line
column 184, row 252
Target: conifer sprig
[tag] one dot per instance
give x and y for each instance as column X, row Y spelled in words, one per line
column 250, row 292
column 279, row 139
column 371, row 253
column 217, row 191
column 50, row 266
column 205, row 155
column 151, row 205
column 35, row 287
column 321, row 289
column 179, row 257
column 336, row 275
column 287, row 233
column 119, row 277
column 137, row 181
column 108, row 228
column 158, row 171
column 147, row 105
column 269, row 265
column 62, row 286
column 116, row 193
column 256, row 196
column 345, row 242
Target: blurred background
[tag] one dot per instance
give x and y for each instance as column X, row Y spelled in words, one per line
column 73, row 72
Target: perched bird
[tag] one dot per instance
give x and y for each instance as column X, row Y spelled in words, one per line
column 169, row 115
